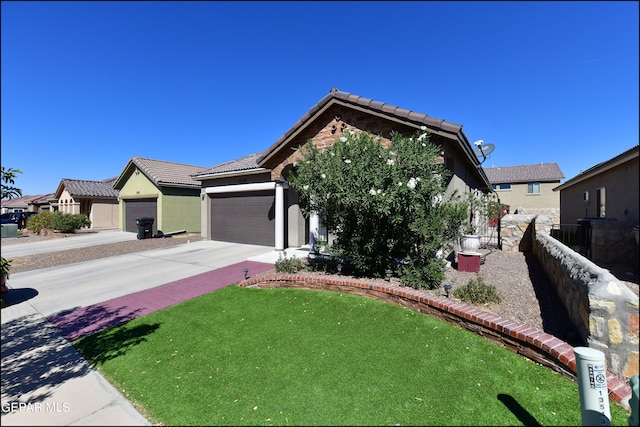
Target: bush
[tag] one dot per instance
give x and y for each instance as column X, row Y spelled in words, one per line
column 288, row 265
column 477, row 292
column 69, row 223
column 37, row 222
column 382, row 201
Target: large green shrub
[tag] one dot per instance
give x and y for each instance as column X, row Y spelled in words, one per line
column 69, row 223
column 43, row 219
column 386, row 206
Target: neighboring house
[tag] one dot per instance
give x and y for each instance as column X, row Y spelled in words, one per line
column 37, row 203
column 606, row 190
column 528, row 188
column 248, row 200
column 160, row 190
column 96, row 199
column 603, row 202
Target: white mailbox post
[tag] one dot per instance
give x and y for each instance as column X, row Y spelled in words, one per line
column 592, row 385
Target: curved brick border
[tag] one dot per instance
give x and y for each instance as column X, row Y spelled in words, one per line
column 529, row 342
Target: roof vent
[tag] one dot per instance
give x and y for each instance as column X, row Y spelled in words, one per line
column 333, row 89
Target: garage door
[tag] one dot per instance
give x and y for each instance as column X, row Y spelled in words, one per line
column 138, row 208
column 244, row 217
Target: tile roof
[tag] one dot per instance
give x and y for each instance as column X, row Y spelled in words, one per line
column 524, row 173
column 87, row 188
column 337, row 95
column 27, row 200
column 168, row 173
column 242, row 164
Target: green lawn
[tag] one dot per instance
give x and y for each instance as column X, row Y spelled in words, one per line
column 241, row 356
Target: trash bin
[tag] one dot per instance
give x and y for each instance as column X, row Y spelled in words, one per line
column 145, row 227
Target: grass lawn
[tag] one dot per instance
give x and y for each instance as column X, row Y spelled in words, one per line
column 241, row 356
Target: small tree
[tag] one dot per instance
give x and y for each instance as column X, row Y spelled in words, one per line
column 386, row 206
column 7, row 180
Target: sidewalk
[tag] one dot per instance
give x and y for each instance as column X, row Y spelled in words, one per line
column 46, row 382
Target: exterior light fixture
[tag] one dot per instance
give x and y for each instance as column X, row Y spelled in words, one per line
column 246, row 272
column 388, row 274
column 447, row 289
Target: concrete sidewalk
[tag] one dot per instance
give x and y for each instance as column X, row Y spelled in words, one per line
column 44, row 380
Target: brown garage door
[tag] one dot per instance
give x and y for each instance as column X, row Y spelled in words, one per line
column 137, row 208
column 244, row 217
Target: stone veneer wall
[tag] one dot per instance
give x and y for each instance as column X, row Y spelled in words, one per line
column 604, row 310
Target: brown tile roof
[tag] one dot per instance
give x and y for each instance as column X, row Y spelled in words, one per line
column 24, row 201
column 541, row 172
column 87, row 188
column 336, row 95
column 242, row 164
column 164, row 173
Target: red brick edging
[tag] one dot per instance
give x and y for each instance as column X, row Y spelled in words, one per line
column 529, row 342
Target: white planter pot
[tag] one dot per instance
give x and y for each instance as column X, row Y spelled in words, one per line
column 469, row 243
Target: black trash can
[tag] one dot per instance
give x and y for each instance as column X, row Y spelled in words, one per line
column 145, row 227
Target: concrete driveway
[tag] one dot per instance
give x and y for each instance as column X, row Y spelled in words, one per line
column 82, row 240
column 44, row 380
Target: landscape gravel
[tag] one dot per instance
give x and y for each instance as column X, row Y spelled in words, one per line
column 527, row 295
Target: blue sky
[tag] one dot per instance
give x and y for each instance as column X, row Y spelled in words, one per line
column 88, row 85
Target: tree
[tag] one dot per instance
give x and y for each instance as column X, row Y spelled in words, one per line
column 8, row 180
column 387, row 206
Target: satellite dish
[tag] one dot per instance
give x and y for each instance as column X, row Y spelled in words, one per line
column 483, row 150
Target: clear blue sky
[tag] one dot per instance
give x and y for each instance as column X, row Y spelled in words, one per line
column 88, row 85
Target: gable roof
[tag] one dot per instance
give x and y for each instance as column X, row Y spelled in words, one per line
column 257, row 162
column 24, row 201
column 160, row 172
column 541, row 172
column 338, row 97
column 247, row 163
column 88, row 188
column 601, row 167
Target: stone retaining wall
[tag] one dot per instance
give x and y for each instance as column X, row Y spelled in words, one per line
column 603, row 309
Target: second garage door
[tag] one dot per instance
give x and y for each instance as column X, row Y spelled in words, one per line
column 244, row 217
column 138, row 208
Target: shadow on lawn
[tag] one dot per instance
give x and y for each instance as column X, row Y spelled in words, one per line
column 102, row 347
column 518, row 410
column 555, row 318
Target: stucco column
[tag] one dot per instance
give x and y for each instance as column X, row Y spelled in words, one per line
column 314, row 225
column 279, row 216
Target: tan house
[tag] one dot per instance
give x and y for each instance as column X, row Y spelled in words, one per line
column 96, row 199
column 606, row 190
column 160, row 190
column 602, row 204
column 528, row 189
column 248, row 200
column 36, row 203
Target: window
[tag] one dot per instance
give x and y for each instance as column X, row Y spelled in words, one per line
column 585, row 197
column 533, row 188
column 501, row 186
column 600, row 203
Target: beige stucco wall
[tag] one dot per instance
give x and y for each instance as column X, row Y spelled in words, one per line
column 66, row 204
column 517, row 197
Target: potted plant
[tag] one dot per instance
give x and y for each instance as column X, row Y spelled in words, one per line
column 6, row 267
column 470, row 231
